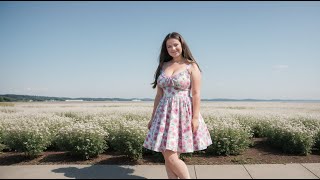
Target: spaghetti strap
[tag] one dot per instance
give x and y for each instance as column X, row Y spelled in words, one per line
column 188, row 66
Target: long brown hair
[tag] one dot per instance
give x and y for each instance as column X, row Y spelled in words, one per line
column 165, row 57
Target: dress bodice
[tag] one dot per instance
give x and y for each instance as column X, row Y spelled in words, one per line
column 178, row 84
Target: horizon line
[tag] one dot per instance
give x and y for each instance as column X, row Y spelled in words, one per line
column 260, row 99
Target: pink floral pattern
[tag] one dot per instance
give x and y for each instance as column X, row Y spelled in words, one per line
column 171, row 126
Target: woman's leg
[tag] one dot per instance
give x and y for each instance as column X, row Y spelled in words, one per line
column 176, row 165
column 170, row 173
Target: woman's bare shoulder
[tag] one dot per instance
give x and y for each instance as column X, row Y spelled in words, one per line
column 193, row 67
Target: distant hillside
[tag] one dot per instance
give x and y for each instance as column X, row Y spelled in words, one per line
column 25, row 98
column 28, row 98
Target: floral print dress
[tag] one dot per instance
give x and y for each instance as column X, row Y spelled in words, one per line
column 171, row 127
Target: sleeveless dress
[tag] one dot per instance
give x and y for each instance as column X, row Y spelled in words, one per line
column 171, row 127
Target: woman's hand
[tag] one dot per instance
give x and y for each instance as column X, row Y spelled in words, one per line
column 195, row 125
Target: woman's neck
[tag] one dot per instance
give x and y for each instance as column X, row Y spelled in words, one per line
column 178, row 60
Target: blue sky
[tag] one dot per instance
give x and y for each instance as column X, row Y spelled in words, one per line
column 263, row 50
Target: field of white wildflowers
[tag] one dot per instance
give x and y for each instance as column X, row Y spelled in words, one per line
column 90, row 128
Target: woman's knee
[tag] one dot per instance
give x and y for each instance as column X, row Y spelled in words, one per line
column 170, row 156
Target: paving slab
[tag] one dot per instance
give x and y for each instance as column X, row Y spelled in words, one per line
column 221, row 172
column 157, row 171
column 87, row 172
column 279, row 171
column 32, row 171
column 313, row 167
column 98, row 172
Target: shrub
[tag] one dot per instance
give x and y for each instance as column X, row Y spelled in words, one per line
column 228, row 137
column 2, row 146
column 128, row 139
column 28, row 137
column 259, row 125
column 82, row 139
column 291, row 137
column 1, row 132
column 317, row 140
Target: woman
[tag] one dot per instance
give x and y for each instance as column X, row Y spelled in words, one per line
column 176, row 125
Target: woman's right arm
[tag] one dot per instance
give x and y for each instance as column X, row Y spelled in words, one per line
column 155, row 104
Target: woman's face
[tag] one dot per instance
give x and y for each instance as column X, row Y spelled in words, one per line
column 174, row 47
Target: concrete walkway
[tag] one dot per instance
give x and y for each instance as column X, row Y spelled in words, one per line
column 246, row 171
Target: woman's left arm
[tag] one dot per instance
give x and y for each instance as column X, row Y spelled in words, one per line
column 195, row 89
